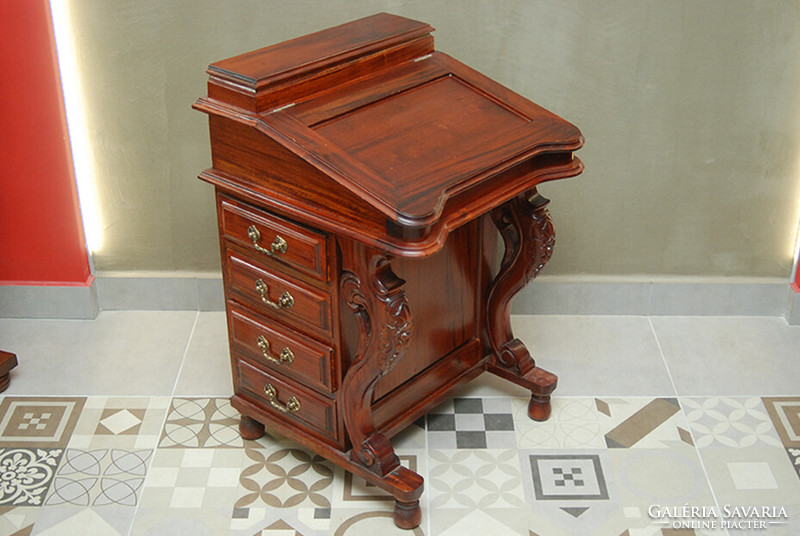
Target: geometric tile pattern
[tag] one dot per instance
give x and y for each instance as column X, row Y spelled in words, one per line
column 26, row 475
column 558, row 477
column 784, row 413
column 99, row 478
column 131, row 423
column 161, row 465
column 472, row 423
column 642, row 423
column 193, row 478
column 285, row 478
column 475, row 479
column 730, row 422
column 44, row 422
column 202, row 423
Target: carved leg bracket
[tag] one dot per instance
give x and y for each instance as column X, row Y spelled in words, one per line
column 374, row 293
column 529, row 237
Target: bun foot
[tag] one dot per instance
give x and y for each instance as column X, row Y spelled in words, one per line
column 539, row 408
column 407, row 515
column 250, row 428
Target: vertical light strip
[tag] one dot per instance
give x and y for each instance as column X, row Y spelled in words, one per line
column 795, row 279
column 82, row 157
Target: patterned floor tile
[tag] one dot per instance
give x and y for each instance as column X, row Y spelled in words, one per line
column 124, row 423
column 194, row 478
column 474, row 479
column 567, row 476
column 99, row 477
column 18, row 520
column 574, row 423
column 608, row 491
column 202, row 423
column 163, row 521
column 478, row 521
column 785, row 415
column 26, row 475
column 729, row 422
column 282, row 478
column 45, row 422
column 755, row 477
column 371, row 523
column 69, row 520
column 472, row 423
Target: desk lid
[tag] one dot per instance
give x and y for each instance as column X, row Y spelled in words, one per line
column 412, row 132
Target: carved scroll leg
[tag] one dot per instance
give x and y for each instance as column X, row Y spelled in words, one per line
column 528, row 234
column 376, row 296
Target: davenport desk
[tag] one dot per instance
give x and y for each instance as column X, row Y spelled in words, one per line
column 362, row 181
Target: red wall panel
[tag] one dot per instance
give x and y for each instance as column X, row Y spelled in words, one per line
column 41, row 235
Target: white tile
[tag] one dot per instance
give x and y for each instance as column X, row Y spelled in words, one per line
column 752, row 475
column 736, row 356
column 118, row 353
column 223, row 477
column 187, row 497
column 197, row 458
column 207, row 368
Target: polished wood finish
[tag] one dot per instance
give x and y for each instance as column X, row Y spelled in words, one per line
column 7, row 362
column 363, row 180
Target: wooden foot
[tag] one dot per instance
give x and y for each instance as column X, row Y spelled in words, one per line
column 7, row 362
column 250, row 428
column 407, row 515
column 539, row 408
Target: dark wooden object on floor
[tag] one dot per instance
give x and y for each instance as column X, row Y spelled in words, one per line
column 362, row 182
column 7, row 362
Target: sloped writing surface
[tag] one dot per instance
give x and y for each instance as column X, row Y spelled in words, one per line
column 429, row 142
column 425, row 140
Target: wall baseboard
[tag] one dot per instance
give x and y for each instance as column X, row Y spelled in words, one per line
column 558, row 295
column 48, row 301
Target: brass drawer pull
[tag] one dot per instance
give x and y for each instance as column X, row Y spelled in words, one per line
column 287, row 356
column 272, row 395
column 277, row 247
column 284, row 302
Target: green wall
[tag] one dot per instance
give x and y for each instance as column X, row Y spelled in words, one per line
column 690, row 109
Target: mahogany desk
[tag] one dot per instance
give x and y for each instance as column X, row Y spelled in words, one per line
column 362, row 180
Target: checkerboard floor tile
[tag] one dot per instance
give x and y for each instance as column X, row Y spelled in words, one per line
column 472, row 423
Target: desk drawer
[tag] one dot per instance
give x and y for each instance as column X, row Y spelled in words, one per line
column 274, row 238
column 278, row 348
column 289, row 401
column 278, row 296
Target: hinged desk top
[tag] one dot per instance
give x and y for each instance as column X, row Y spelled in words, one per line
column 405, row 142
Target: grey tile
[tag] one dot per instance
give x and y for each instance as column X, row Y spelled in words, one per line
column 730, row 355
column 468, row 405
column 471, row 440
column 753, row 299
column 118, row 353
column 206, row 370
column 438, row 422
column 22, row 301
column 569, row 297
column 597, row 355
column 499, row 422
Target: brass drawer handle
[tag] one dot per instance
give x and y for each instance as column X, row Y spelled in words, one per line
column 272, row 395
column 287, row 356
column 278, row 246
column 284, row 302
